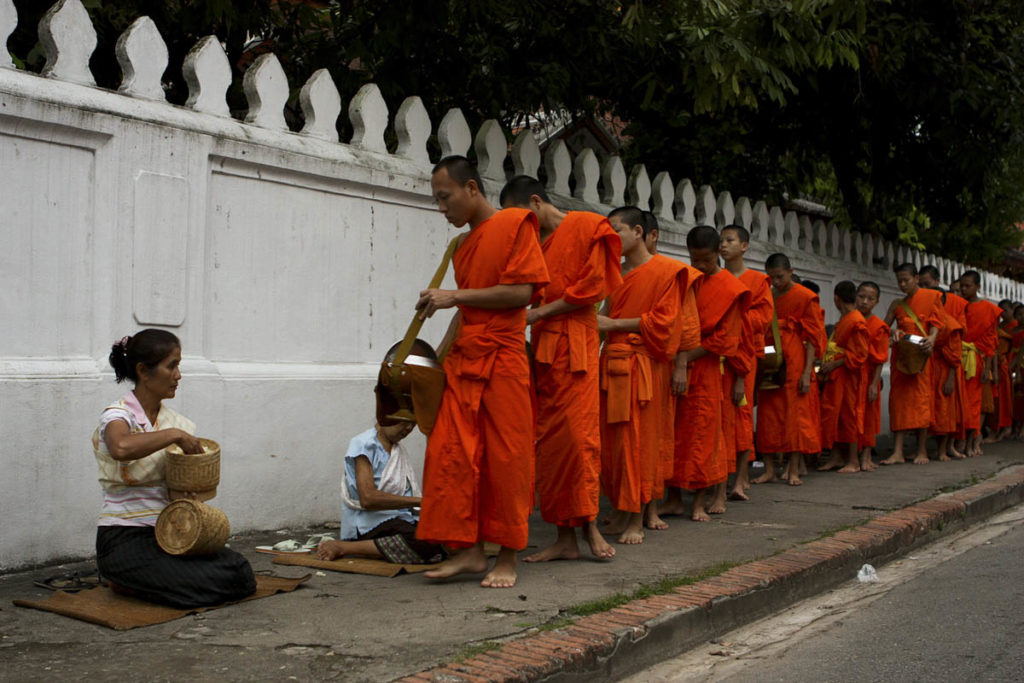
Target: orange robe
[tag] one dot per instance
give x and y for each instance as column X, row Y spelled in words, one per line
column 1004, row 392
column 788, row 421
column 701, row 455
column 844, row 394
column 757, row 320
column 910, row 397
column 878, row 354
column 982, row 320
column 636, row 370
column 947, row 411
column 1015, row 377
column 956, row 307
column 478, row 470
column 582, row 257
column 689, row 338
column 742, row 364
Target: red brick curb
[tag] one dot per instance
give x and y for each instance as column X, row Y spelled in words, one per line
column 642, row 632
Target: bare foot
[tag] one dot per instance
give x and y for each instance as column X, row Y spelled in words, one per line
column 894, row 459
column 564, row 548
column 717, row 504
column 793, row 479
column 504, row 573
column 832, row 463
column 959, row 455
column 469, row 561
column 671, row 508
column 738, row 493
column 768, row 476
column 634, row 532
column 921, row 459
column 850, row 469
column 651, row 518
column 330, row 550
column 599, row 547
column 616, row 522
column 699, row 514
column 945, row 458
column 866, row 465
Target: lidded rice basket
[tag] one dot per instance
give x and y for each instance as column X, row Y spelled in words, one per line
column 188, row 527
column 199, row 473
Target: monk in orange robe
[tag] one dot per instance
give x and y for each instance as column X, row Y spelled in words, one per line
column 1017, row 372
column 701, row 455
column 878, row 355
column 788, row 421
column 954, row 305
column 689, row 338
column 917, row 314
column 582, row 253
column 844, row 394
column 947, row 373
column 739, row 379
column 643, row 326
column 979, row 348
column 478, row 481
column 1002, row 419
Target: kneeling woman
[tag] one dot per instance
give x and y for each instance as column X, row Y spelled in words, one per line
column 130, row 445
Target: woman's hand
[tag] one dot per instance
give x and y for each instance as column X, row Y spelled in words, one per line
column 188, row 443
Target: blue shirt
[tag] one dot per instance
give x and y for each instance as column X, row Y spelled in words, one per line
column 355, row 522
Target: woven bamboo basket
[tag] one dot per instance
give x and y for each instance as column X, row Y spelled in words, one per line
column 199, row 473
column 188, row 527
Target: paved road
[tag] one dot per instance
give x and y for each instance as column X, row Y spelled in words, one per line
column 959, row 619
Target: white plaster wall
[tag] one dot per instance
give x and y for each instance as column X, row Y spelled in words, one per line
column 287, row 263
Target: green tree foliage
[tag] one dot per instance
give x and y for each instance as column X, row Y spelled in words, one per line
column 904, row 116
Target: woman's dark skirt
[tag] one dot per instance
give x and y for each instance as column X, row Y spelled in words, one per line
column 131, row 558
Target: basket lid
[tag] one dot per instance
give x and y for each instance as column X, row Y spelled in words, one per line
column 179, row 526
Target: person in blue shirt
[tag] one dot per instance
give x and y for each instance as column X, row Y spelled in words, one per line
column 381, row 499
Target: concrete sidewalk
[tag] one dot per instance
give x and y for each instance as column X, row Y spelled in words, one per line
column 362, row 628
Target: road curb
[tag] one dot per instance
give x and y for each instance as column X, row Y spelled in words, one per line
column 643, row 632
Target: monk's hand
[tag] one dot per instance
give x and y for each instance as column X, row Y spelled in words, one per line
column 737, row 391
column 872, row 392
column 680, row 380
column 604, row 323
column 532, row 316
column 928, row 345
column 433, row 300
column 804, row 385
column 948, row 386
